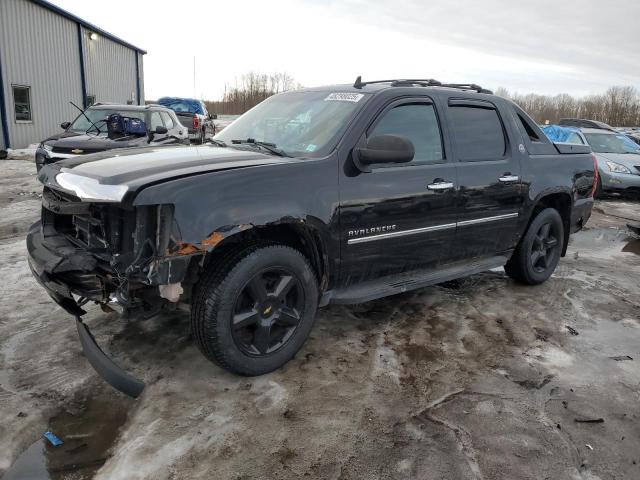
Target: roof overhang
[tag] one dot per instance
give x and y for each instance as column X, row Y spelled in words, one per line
column 87, row 25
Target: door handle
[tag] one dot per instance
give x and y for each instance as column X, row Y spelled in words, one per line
column 509, row 178
column 440, row 186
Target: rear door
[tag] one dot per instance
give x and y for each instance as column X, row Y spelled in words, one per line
column 400, row 217
column 490, row 196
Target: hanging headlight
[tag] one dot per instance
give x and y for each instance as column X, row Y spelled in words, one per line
column 90, row 189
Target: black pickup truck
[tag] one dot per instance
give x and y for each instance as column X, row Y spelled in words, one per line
column 333, row 195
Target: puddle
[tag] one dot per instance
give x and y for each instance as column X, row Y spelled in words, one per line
column 88, row 432
column 632, row 246
column 604, row 243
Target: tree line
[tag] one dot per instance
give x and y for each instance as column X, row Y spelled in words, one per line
column 619, row 106
column 249, row 90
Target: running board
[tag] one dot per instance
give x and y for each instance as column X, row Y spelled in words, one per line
column 404, row 282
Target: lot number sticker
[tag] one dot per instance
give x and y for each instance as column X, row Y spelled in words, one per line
column 344, row 97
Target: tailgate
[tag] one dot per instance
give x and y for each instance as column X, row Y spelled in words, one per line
column 186, row 119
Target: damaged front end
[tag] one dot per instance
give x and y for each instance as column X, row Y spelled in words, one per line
column 108, row 253
column 125, row 258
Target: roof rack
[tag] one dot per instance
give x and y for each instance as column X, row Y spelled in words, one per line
column 423, row 82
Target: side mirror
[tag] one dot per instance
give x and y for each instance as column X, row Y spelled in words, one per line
column 213, row 116
column 161, row 130
column 385, row 149
column 65, row 125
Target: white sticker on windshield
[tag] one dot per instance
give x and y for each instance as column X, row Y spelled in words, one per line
column 344, row 97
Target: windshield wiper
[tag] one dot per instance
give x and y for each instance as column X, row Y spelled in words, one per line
column 271, row 147
column 220, row 143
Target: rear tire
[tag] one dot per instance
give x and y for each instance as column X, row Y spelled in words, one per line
column 538, row 252
column 255, row 309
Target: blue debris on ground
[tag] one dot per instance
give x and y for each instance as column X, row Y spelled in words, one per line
column 53, row 439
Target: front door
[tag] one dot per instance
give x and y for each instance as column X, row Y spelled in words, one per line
column 400, row 217
column 490, row 193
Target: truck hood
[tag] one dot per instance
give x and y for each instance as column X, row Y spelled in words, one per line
column 68, row 141
column 137, row 167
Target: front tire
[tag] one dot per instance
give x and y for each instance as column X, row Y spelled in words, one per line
column 538, row 253
column 255, row 309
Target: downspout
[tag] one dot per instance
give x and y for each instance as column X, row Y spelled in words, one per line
column 137, row 76
column 3, row 112
column 83, row 82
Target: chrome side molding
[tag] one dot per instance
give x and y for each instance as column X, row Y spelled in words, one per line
column 433, row 228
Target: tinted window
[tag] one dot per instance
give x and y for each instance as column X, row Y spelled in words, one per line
column 168, row 121
column 417, row 122
column 531, row 133
column 477, row 133
column 22, row 104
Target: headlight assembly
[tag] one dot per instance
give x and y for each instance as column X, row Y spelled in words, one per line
column 90, row 189
column 617, row 168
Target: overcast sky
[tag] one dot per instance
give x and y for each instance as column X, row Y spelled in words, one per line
column 545, row 46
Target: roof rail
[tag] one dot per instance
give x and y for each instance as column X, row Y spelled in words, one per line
column 422, row 82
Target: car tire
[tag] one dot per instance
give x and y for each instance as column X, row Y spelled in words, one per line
column 538, row 253
column 254, row 309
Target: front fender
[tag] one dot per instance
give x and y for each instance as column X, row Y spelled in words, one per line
column 208, row 208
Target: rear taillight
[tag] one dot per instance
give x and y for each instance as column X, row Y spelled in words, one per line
column 595, row 175
column 196, row 121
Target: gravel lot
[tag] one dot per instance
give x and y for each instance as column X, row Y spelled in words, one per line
column 478, row 379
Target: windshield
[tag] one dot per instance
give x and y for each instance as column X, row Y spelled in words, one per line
column 81, row 124
column 301, row 124
column 609, row 143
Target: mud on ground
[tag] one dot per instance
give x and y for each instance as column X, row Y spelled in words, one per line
column 476, row 379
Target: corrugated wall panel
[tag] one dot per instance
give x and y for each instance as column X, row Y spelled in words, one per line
column 39, row 49
column 110, row 69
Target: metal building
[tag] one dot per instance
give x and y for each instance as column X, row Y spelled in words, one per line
column 49, row 57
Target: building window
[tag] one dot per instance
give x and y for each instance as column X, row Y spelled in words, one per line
column 22, row 103
column 91, row 99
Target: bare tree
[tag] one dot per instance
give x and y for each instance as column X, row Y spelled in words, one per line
column 618, row 106
column 249, row 90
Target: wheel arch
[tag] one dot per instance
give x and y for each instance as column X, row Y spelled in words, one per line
column 559, row 200
column 300, row 234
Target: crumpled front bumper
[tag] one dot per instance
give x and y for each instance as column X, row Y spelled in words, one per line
column 62, row 271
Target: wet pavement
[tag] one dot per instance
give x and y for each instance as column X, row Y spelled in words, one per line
column 475, row 379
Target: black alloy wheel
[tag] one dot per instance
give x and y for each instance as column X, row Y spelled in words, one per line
column 544, row 247
column 254, row 308
column 267, row 311
column 538, row 253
